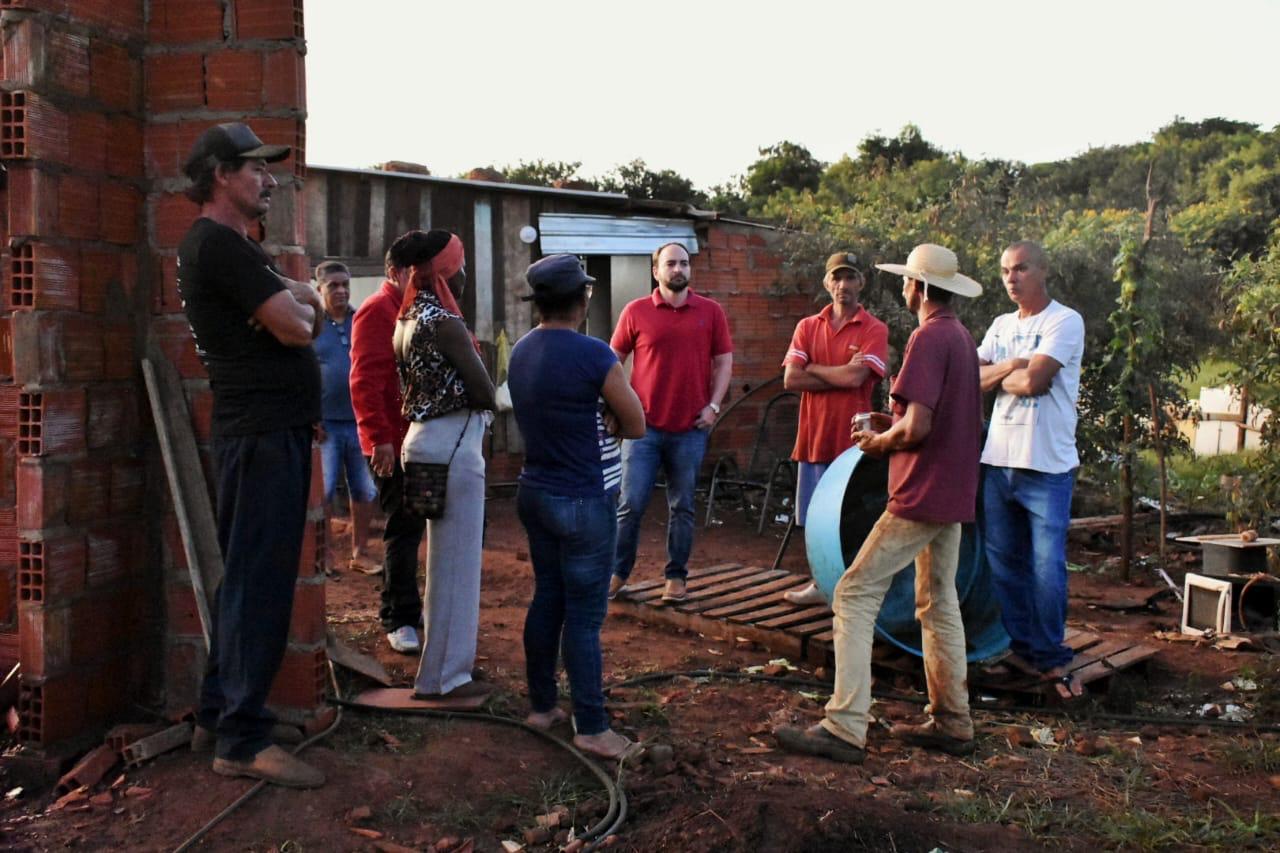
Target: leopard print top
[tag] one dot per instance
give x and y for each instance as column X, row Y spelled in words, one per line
column 429, row 383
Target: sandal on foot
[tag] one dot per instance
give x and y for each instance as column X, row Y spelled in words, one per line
column 1067, row 688
column 620, row 749
column 545, row 721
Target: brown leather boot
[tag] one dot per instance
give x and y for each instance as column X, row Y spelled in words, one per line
column 928, row 735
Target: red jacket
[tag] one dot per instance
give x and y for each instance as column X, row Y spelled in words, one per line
column 375, row 384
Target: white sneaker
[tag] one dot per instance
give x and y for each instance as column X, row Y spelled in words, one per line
column 404, row 640
column 809, row 596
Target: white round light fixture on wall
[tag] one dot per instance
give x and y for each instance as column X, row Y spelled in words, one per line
column 528, row 234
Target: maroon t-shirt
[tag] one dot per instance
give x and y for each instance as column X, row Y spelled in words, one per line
column 937, row 480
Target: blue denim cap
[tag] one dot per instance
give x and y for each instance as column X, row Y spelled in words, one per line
column 555, row 275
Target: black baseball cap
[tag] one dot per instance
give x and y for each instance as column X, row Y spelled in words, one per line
column 229, row 142
column 555, row 275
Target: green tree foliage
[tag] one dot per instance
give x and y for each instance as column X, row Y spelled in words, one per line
column 1237, row 208
column 905, row 149
column 545, row 173
column 1218, row 182
column 1252, row 324
column 893, row 196
column 783, row 166
column 637, row 180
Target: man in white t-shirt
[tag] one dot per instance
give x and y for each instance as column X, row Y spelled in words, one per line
column 1031, row 358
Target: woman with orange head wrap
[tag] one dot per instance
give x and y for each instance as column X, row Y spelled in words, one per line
column 448, row 400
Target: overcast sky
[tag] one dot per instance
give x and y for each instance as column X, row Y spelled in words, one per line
column 699, row 85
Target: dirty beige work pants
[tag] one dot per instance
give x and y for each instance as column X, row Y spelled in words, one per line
column 890, row 545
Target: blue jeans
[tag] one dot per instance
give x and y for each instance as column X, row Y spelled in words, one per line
column 679, row 455
column 571, row 542
column 340, row 451
column 1025, row 517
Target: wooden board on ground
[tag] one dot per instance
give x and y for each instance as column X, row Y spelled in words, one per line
column 401, row 698
column 694, row 574
column 732, row 586
column 693, row 586
column 766, row 599
column 731, row 601
column 748, row 582
column 773, row 580
column 343, row 655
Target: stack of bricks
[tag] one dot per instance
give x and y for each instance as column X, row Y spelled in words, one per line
column 99, row 101
column 206, row 62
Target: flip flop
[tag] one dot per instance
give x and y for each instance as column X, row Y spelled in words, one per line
column 555, row 716
column 1066, row 682
column 631, row 750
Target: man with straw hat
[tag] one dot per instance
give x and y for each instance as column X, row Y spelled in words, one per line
column 933, row 440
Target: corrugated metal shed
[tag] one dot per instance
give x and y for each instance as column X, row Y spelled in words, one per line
column 592, row 234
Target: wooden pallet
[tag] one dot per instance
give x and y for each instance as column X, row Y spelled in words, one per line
column 1096, row 660
column 730, row 600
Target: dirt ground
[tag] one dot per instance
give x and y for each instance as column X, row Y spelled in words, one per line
column 1037, row 781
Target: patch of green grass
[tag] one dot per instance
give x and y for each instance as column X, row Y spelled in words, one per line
column 540, row 797
column 568, row 789
column 1211, row 374
column 403, row 809
column 1194, row 481
column 1252, row 755
column 460, row 815
column 1035, row 815
column 1128, row 827
column 372, row 732
column 1217, row 827
column 1266, row 699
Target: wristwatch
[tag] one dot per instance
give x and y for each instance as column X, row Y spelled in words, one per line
column 714, row 407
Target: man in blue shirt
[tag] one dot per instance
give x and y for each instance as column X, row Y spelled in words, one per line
column 339, row 446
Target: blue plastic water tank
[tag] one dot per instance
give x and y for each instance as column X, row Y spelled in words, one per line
column 846, row 503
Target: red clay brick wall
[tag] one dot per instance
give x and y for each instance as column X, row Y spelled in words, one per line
column 99, row 102
column 210, row 61
column 739, row 267
column 73, row 558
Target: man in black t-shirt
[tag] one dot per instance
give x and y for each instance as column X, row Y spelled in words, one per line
column 253, row 329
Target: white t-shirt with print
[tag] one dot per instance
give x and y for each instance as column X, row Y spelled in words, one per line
column 1038, row 433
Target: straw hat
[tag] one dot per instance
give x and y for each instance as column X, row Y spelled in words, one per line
column 936, row 266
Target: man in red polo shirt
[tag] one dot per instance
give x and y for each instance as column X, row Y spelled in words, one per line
column 933, row 441
column 380, row 425
column 836, row 359
column 683, row 361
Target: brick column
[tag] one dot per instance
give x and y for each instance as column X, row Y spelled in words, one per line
column 99, row 102
column 210, row 61
column 72, row 556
